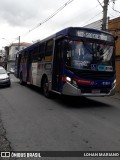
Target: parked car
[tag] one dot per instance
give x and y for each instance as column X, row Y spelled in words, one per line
column 4, row 77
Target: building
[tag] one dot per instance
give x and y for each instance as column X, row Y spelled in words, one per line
column 11, row 53
column 95, row 25
column 2, row 58
column 114, row 28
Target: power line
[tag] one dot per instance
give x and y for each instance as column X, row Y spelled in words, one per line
column 115, row 10
column 92, row 18
column 54, row 14
column 50, row 17
column 47, row 19
column 100, row 3
column 80, row 14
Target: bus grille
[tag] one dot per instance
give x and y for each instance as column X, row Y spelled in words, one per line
column 94, row 75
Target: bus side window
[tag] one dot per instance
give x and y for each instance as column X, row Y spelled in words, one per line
column 68, row 53
column 35, row 54
column 31, row 52
column 23, row 57
column 49, row 50
column 41, row 51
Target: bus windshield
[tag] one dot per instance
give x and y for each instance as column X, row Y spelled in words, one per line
column 89, row 56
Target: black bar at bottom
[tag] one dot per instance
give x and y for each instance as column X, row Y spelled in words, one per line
column 60, row 154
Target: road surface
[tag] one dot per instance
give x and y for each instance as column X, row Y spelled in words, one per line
column 35, row 123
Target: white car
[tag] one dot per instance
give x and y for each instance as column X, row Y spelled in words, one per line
column 4, row 77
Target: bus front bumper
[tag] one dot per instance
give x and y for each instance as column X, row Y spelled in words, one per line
column 69, row 89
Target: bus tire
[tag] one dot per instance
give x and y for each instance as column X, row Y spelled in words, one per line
column 45, row 88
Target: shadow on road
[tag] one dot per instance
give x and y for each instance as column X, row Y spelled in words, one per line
column 4, row 87
column 79, row 102
column 73, row 102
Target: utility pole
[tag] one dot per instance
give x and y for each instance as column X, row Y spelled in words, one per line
column 104, row 21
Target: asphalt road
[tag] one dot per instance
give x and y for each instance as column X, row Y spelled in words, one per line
column 35, row 123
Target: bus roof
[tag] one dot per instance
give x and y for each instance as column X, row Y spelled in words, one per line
column 66, row 31
column 76, row 31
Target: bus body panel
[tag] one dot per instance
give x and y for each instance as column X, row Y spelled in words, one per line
column 38, row 71
column 71, row 90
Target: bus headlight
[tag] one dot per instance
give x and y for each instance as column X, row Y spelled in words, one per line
column 75, row 81
column 72, row 81
column 68, row 79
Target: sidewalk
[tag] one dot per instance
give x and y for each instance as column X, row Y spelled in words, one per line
column 116, row 96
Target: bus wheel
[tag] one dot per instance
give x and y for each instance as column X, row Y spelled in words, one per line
column 45, row 86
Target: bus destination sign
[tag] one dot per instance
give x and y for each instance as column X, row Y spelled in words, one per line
column 94, row 35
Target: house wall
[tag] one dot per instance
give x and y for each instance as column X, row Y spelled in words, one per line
column 118, row 75
column 114, row 28
column 13, row 49
column 95, row 25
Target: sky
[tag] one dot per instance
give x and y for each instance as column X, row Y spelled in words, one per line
column 19, row 17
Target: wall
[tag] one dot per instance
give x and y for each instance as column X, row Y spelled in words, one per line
column 13, row 49
column 95, row 25
column 118, row 75
column 114, row 28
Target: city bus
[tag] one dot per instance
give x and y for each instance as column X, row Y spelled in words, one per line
column 75, row 61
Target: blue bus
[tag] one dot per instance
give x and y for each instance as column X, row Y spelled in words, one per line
column 75, row 61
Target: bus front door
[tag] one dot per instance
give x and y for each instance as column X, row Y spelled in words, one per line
column 57, row 67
